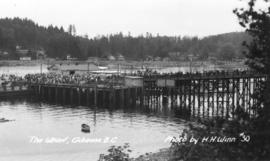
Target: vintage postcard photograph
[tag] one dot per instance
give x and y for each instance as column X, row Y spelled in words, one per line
column 134, row 80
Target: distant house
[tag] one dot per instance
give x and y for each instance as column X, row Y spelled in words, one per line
column 157, row 58
column 41, row 54
column 25, row 58
column 239, row 59
column 120, row 57
column 149, row 58
column 212, row 58
column 110, row 57
column 18, row 47
column 22, row 52
column 166, row 59
column 174, row 54
column 92, row 59
column 70, row 58
column 192, row 57
column 4, row 54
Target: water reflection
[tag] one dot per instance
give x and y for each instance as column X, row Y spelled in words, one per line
column 144, row 128
column 23, row 70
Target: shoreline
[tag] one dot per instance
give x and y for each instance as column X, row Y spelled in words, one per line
column 131, row 64
column 161, row 155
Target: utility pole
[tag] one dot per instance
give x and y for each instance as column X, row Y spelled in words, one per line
column 118, row 69
column 40, row 67
column 190, row 63
column 88, row 67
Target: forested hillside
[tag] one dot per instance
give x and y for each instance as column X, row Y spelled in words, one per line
column 59, row 42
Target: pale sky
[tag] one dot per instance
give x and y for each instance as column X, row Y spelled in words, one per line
column 101, row 17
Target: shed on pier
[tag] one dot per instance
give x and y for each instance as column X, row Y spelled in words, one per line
column 133, row 81
column 165, row 83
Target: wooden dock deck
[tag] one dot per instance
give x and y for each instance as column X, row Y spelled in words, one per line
column 201, row 95
column 15, row 91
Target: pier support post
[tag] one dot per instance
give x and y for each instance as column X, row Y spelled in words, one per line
column 71, row 95
column 42, row 92
column 95, row 96
column 64, row 95
column 56, row 94
column 39, row 90
column 133, row 96
column 128, row 96
column 122, row 97
column 79, row 92
column 104, row 97
column 87, row 96
column 113, row 97
column 142, row 96
column 165, row 96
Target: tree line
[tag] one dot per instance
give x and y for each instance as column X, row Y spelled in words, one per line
column 58, row 43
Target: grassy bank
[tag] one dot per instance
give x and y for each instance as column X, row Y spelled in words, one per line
column 248, row 143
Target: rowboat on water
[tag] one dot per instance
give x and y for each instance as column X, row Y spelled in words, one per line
column 4, row 120
column 102, row 67
column 85, row 128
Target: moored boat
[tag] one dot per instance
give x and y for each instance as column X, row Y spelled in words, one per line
column 4, row 120
column 85, row 128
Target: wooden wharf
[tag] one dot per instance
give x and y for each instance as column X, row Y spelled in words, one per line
column 200, row 95
column 208, row 95
column 15, row 90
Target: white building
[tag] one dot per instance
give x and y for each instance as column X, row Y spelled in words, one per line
column 25, row 58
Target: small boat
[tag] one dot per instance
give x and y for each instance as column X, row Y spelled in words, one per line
column 53, row 68
column 85, row 128
column 4, row 120
column 102, row 67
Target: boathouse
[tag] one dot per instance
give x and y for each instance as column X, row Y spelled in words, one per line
column 133, row 81
column 166, row 83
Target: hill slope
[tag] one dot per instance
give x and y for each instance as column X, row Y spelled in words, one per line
column 59, row 43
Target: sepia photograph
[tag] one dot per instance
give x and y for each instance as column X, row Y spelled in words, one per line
column 134, row 80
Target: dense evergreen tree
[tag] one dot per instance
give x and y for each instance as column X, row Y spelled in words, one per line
column 257, row 24
column 59, row 43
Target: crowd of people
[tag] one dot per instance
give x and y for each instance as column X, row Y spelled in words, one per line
column 151, row 74
column 6, row 79
column 90, row 78
column 81, row 79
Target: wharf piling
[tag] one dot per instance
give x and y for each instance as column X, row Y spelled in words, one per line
column 203, row 95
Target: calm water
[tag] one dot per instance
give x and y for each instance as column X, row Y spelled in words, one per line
column 145, row 130
column 22, row 70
